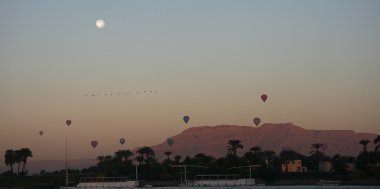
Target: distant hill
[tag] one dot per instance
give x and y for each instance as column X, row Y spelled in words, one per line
column 212, row 140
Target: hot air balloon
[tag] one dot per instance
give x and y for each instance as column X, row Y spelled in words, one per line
column 186, row 119
column 264, row 97
column 170, row 141
column 68, row 122
column 41, row 132
column 94, row 143
column 122, row 141
column 256, row 121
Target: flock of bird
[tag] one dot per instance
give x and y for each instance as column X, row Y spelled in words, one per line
column 142, row 92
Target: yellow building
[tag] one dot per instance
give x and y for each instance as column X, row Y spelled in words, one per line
column 350, row 167
column 325, row 166
column 293, row 166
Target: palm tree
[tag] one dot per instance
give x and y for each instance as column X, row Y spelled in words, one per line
column 25, row 154
column 364, row 143
column 255, row 149
column 100, row 164
column 123, row 155
column 316, row 155
column 168, row 153
column 269, row 155
column 339, row 164
column 140, row 159
column 377, row 143
column 18, row 159
column 233, row 145
column 10, row 158
column 255, row 155
column 146, row 154
column 107, row 164
column 203, row 159
column 316, row 148
column 177, row 159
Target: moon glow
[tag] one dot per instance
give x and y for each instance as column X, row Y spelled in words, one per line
column 100, row 23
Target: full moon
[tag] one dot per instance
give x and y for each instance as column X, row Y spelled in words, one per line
column 100, row 23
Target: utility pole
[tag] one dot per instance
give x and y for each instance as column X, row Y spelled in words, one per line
column 250, row 172
column 185, row 176
column 68, row 123
column 136, row 163
column 67, row 171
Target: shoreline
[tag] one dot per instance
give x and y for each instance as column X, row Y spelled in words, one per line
column 281, row 182
column 51, row 183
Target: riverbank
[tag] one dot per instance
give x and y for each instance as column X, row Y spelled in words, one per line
column 52, row 182
column 313, row 181
column 281, row 182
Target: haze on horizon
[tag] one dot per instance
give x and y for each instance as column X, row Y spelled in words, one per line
column 318, row 61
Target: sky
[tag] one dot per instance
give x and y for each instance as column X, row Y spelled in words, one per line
column 318, row 62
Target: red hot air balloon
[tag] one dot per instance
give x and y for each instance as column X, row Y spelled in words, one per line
column 122, row 141
column 264, row 97
column 256, row 121
column 94, row 143
column 68, row 122
column 41, row 133
column 186, row 119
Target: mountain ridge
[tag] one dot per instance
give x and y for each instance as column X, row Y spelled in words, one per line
column 212, row 140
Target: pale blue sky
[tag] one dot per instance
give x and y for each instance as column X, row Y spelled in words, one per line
column 318, row 61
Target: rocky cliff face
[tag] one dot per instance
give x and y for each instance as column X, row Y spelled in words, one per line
column 212, row 140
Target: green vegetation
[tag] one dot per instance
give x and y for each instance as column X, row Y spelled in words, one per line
column 17, row 157
column 268, row 166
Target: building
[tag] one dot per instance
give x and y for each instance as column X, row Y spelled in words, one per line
column 325, row 166
column 350, row 167
column 293, row 166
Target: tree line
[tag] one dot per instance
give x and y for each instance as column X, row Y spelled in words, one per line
column 18, row 157
column 267, row 162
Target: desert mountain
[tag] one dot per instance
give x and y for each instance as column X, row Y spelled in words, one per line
column 212, row 140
